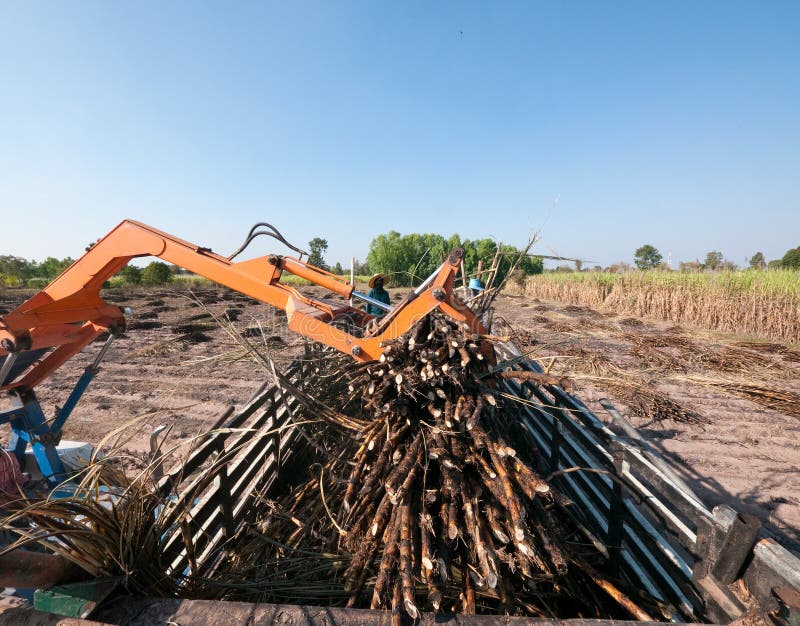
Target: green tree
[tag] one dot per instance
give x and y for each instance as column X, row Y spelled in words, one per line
column 338, row 269
column 131, row 274
column 791, row 260
column 52, row 267
column 414, row 257
column 757, row 261
column 317, row 246
column 157, row 273
column 713, row 260
column 647, row 257
column 15, row 267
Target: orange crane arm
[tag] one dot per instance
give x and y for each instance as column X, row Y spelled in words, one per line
column 68, row 314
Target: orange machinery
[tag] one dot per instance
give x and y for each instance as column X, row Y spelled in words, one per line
column 58, row 322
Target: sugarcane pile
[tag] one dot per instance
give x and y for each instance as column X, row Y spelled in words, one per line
column 433, row 506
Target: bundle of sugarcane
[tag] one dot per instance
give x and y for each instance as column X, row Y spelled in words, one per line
column 435, row 509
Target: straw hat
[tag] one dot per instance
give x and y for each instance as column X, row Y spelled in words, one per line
column 383, row 277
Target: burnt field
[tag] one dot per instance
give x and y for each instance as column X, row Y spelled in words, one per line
column 724, row 410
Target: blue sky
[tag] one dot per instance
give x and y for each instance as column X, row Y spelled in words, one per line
column 604, row 124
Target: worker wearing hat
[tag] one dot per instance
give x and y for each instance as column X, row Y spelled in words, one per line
column 377, row 292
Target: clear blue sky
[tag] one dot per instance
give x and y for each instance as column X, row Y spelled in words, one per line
column 605, row 124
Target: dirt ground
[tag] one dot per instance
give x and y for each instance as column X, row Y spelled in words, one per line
column 179, row 365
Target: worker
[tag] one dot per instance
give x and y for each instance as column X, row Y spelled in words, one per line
column 475, row 287
column 377, row 292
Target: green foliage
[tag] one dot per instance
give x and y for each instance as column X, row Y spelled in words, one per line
column 130, row 274
column 647, row 257
column 317, row 246
column 757, row 261
column 115, row 282
column 412, row 258
column 338, row 269
column 17, row 270
column 791, row 260
column 10, row 281
column 52, row 267
column 37, row 283
column 361, row 269
column 713, row 260
column 157, row 273
column 14, row 266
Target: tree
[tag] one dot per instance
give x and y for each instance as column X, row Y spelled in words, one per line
column 16, row 267
column 317, row 246
column 713, row 260
column 131, row 274
column 157, row 273
column 414, row 257
column 757, row 261
column 338, row 269
column 647, row 257
column 52, row 267
column 791, row 260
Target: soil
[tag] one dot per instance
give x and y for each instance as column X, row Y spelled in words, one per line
column 179, row 365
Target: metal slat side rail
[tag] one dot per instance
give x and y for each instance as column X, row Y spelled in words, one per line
column 667, row 490
column 245, row 464
column 580, row 488
column 214, row 530
column 592, row 493
column 585, row 438
column 209, row 513
column 249, row 447
column 199, row 456
column 592, row 514
column 194, row 484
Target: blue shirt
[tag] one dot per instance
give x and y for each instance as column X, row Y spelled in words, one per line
column 381, row 295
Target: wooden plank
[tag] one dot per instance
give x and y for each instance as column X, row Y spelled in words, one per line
column 136, row 612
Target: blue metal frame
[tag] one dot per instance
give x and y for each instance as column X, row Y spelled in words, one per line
column 30, row 426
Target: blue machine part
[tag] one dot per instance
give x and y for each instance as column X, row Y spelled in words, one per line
column 28, row 422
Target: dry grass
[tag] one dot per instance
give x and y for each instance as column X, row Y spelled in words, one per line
column 632, row 388
column 761, row 304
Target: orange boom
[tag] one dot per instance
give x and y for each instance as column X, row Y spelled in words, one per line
column 59, row 321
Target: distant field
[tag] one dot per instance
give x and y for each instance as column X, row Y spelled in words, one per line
column 759, row 303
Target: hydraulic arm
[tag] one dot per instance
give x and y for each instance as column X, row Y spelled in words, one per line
column 59, row 321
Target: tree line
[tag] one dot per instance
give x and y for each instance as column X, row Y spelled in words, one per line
column 410, row 259
column 16, row 271
column 647, row 257
column 407, row 259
